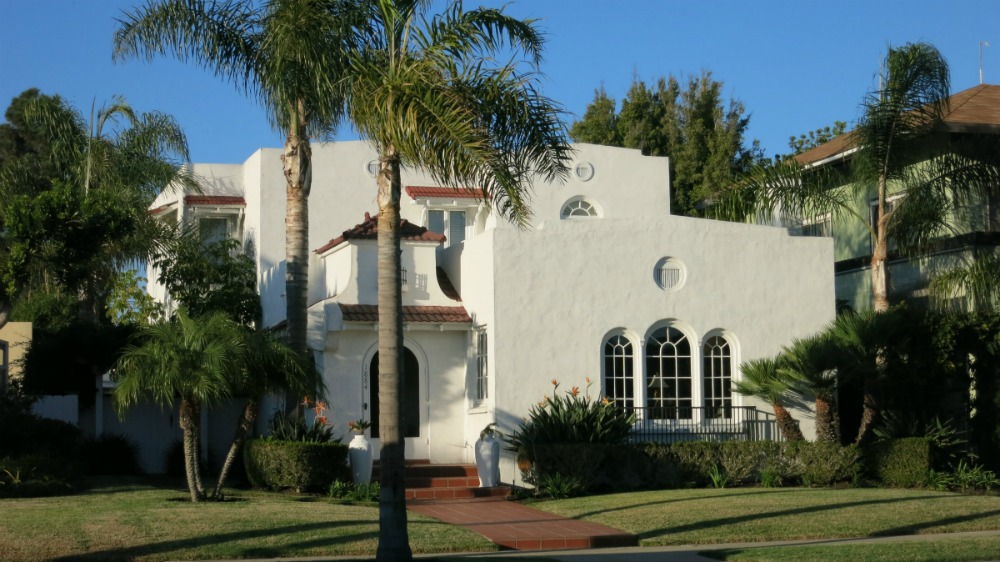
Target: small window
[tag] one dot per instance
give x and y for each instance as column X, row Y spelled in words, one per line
column 450, row 223
column 669, row 274
column 619, row 368
column 213, row 229
column 579, row 209
column 891, row 202
column 482, row 365
column 818, row 226
column 718, row 370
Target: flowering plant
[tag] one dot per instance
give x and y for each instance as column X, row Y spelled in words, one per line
column 358, row 426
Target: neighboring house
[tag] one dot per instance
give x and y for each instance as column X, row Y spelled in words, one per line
column 976, row 228
column 14, row 340
column 603, row 283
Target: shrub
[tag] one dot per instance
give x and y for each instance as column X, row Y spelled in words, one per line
column 342, row 490
column 696, row 459
column 559, row 486
column 770, row 478
column 283, row 428
column 822, row 463
column 904, row 463
column 743, row 461
column 111, row 454
column 570, row 419
column 36, row 475
column 296, row 465
column 970, row 477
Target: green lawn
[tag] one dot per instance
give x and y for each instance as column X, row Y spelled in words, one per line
column 147, row 522
column 707, row 516
column 142, row 521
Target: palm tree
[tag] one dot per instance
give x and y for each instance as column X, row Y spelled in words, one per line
column 811, row 364
column 427, row 93
column 99, row 176
column 865, row 340
column 762, row 379
column 918, row 176
column 192, row 360
column 978, row 281
column 266, row 366
column 286, row 53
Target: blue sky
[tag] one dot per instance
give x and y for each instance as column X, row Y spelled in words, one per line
column 796, row 65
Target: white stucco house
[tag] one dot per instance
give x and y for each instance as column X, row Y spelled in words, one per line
column 656, row 310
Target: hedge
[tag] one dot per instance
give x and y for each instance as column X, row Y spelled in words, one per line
column 903, row 463
column 296, row 465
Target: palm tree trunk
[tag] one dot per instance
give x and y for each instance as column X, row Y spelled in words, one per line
column 188, row 417
column 788, row 425
column 393, row 541
column 880, row 292
column 297, row 163
column 826, row 427
column 243, row 426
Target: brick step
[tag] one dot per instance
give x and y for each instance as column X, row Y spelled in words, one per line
column 423, row 470
column 441, row 481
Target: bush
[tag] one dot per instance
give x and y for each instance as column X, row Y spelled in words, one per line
column 296, row 465
column 36, row 475
column 743, row 461
column 696, row 460
column 823, row 463
column 580, row 462
column 350, row 491
column 111, row 454
column 904, row 463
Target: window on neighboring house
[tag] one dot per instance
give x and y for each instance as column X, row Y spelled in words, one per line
column 213, row 229
column 619, row 368
column 718, row 372
column 482, row 365
column 891, row 202
column 579, row 208
column 668, row 375
column 449, row 223
column 818, row 226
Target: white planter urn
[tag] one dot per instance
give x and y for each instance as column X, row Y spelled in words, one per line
column 359, row 451
column 488, row 461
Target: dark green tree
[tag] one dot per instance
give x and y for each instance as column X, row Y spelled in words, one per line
column 703, row 136
column 812, row 139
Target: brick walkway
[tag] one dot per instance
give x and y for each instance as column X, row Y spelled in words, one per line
column 517, row 527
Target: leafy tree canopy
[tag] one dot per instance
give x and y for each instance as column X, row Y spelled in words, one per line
column 702, row 134
column 812, row 139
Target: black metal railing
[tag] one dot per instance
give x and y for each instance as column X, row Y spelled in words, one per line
column 666, row 424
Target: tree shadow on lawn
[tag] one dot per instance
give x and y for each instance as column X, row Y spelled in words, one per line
column 721, row 522
column 132, row 552
column 915, row 528
column 749, row 492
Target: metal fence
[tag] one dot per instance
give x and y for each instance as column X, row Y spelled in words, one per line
column 672, row 424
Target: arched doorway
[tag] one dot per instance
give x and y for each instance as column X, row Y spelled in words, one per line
column 411, row 394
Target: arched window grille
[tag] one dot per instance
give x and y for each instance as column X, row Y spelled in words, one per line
column 668, row 375
column 718, row 372
column 619, row 367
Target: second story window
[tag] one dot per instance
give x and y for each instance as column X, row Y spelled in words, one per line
column 818, row 226
column 449, row 223
column 213, row 229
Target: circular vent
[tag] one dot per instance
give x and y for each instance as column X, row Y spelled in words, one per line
column 669, row 274
column 372, row 168
column 584, row 171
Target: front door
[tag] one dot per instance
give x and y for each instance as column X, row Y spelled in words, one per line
column 413, row 426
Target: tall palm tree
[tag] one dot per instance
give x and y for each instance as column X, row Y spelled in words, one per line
column 761, row 378
column 266, row 366
column 428, row 93
column 918, row 176
column 286, row 53
column 811, row 363
column 76, row 215
column 978, row 282
column 192, row 360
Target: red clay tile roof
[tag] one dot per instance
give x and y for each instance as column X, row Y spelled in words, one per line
column 975, row 109
column 213, row 200
column 368, row 230
column 415, row 191
column 158, row 210
column 431, row 314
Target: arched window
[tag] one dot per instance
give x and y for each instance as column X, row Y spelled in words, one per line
column 619, row 386
column 579, row 208
column 718, row 378
column 668, row 375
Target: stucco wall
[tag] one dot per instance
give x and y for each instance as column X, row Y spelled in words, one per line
column 561, row 290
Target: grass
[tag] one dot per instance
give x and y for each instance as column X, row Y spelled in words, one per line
column 707, row 516
column 142, row 521
column 970, row 549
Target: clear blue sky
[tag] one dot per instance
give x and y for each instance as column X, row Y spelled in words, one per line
column 796, row 65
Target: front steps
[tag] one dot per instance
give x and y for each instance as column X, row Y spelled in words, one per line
column 425, row 481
